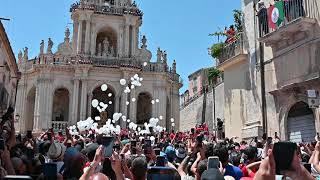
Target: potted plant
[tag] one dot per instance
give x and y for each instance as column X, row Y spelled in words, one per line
column 216, row 50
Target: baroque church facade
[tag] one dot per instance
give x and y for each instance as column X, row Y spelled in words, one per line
column 56, row 88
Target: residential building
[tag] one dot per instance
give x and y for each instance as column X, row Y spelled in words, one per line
column 269, row 70
column 9, row 74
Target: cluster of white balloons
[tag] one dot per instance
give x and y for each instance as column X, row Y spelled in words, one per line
column 155, row 101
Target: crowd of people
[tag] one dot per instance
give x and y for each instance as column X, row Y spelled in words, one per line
column 196, row 154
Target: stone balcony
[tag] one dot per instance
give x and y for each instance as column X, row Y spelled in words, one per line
column 106, row 62
column 233, row 53
column 300, row 17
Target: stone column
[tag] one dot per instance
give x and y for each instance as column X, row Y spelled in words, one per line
column 80, row 30
column 75, row 102
column 48, row 100
column 123, row 107
column 19, row 109
column 90, row 96
column 116, row 103
column 133, row 106
column 162, row 105
column 36, row 114
column 87, row 39
column 126, row 41
column 317, row 119
column 121, row 45
column 93, row 39
column 134, row 40
column 175, row 106
column 84, row 97
column 74, row 37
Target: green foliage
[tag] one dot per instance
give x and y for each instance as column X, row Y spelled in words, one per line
column 238, row 20
column 213, row 73
column 216, row 49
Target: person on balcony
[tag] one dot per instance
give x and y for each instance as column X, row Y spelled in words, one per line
column 262, row 14
column 230, row 33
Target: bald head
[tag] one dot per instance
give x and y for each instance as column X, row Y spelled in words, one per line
column 99, row 176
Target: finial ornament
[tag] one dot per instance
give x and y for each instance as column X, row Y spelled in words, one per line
column 42, row 47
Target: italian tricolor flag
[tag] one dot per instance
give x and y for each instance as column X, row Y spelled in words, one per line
column 276, row 14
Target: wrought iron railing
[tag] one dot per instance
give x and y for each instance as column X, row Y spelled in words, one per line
column 232, row 49
column 108, row 62
column 109, row 10
column 59, row 125
column 293, row 10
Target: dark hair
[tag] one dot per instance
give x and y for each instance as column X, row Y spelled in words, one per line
column 235, row 158
column 202, row 166
column 209, row 150
column 139, row 168
column 107, row 169
column 222, row 152
column 251, row 152
column 74, row 169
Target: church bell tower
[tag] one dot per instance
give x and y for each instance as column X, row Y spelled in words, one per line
column 106, row 29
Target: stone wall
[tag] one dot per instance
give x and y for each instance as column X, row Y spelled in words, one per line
column 191, row 114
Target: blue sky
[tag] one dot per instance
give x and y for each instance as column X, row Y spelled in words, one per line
column 179, row 26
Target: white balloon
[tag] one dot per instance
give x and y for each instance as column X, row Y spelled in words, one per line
column 124, row 118
column 135, row 76
column 113, row 121
column 141, row 79
column 128, row 120
column 139, row 129
column 104, row 87
column 132, row 86
column 110, row 102
column 97, row 118
column 145, row 64
column 94, row 103
column 172, row 120
column 133, row 99
column 127, row 103
column 132, row 79
column 172, row 124
column 110, row 94
column 157, row 100
column 101, row 104
column 160, row 117
column 152, row 102
column 123, row 82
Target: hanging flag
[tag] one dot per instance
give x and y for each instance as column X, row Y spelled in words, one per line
column 276, row 14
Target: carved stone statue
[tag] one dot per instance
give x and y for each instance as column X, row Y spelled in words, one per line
column 41, row 47
column 25, row 54
column 20, row 58
column 66, row 35
column 105, row 47
column 164, row 56
column 174, row 66
column 112, row 51
column 159, row 54
column 144, row 42
column 50, row 45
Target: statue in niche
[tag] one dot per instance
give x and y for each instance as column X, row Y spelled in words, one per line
column 105, row 47
column 42, row 47
column 99, row 51
column 25, row 54
column 159, row 54
column 50, row 45
column 112, row 51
